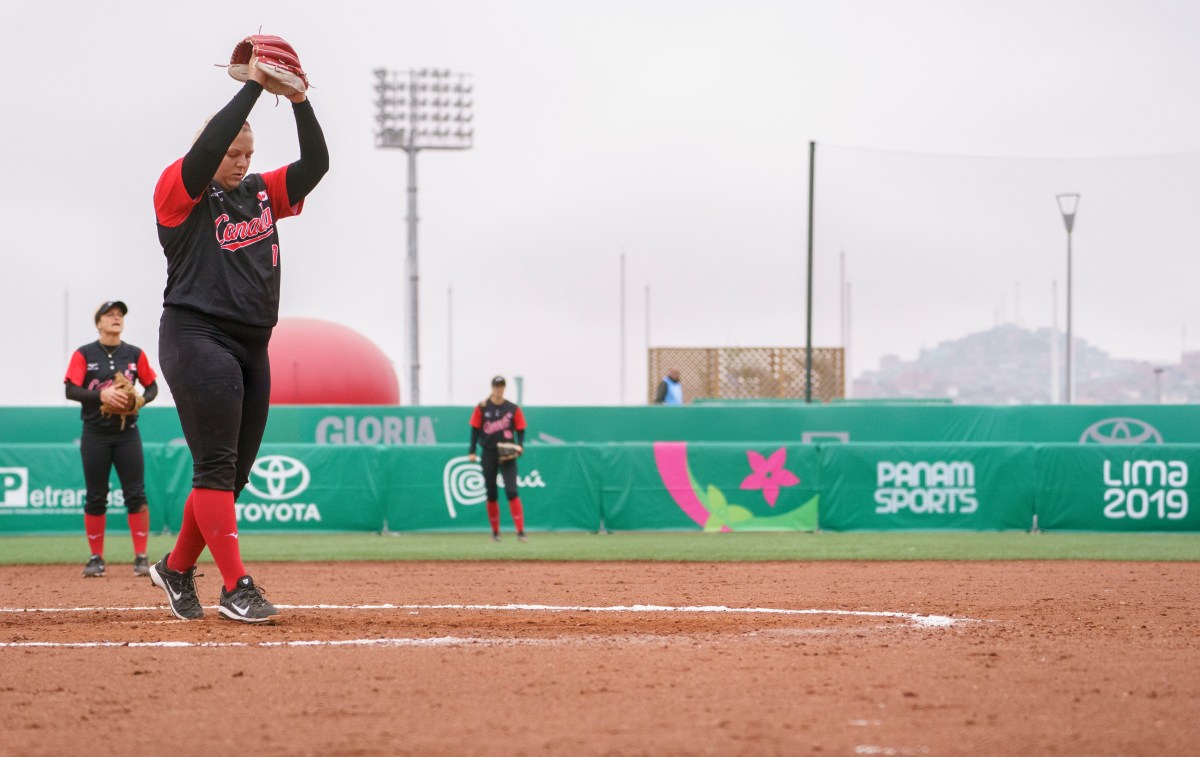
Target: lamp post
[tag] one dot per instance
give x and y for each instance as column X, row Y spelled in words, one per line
column 420, row 109
column 1068, row 203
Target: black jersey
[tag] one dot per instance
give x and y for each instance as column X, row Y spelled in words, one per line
column 94, row 366
column 222, row 248
column 494, row 423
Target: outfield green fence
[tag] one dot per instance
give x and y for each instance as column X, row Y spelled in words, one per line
column 677, row 486
column 757, row 422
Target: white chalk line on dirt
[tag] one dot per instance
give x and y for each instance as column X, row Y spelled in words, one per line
column 928, row 621
column 440, row 641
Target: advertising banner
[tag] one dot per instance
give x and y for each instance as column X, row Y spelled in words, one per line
column 42, row 491
column 294, row 488
column 1150, row 488
column 889, row 487
column 710, row 487
column 437, row 488
column 407, row 426
column 666, row 485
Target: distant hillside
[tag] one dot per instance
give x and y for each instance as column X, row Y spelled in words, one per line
column 1011, row 365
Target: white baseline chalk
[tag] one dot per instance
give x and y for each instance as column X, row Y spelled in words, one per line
column 934, row 621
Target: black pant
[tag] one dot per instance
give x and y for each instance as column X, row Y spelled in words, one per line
column 220, row 377
column 490, row 460
column 101, row 451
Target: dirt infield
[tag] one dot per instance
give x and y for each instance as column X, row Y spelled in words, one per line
column 451, row 658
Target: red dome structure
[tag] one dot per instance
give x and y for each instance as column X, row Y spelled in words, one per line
column 316, row 362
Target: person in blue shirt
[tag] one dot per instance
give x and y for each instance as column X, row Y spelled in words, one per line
column 670, row 390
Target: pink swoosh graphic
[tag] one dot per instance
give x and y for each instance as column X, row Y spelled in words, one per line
column 671, row 458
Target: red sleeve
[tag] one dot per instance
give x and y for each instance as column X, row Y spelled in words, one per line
column 76, row 370
column 146, row 374
column 477, row 418
column 519, row 420
column 276, row 182
column 172, row 205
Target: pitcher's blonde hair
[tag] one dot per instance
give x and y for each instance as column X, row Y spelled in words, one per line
column 245, row 127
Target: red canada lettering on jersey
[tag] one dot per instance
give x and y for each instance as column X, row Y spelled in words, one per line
column 235, row 236
column 500, row 424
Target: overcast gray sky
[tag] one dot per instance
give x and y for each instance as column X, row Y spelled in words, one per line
column 676, row 132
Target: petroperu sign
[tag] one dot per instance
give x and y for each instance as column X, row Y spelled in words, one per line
column 925, row 487
column 376, row 429
column 16, row 491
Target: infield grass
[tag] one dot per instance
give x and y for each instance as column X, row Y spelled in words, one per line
column 688, row 547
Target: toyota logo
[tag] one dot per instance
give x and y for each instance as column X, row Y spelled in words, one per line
column 277, row 477
column 1121, row 431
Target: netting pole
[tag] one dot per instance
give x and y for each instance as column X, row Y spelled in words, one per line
column 808, row 345
column 622, row 362
column 1070, row 334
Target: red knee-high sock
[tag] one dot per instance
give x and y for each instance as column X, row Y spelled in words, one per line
column 493, row 508
column 94, row 525
column 139, row 529
column 217, row 519
column 518, row 513
column 190, row 542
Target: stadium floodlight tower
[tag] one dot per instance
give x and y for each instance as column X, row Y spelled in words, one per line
column 1068, row 203
column 421, row 109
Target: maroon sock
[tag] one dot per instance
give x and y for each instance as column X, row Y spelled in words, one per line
column 190, row 542
column 216, row 518
column 139, row 529
column 493, row 509
column 94, row 525
column 518, row 513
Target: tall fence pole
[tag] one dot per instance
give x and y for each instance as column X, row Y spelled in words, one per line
column 808, row 345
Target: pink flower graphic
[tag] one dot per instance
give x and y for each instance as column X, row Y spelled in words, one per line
column 769, row 474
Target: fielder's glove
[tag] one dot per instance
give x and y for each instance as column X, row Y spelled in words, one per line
column 133, row 400
column 508, row 451
column 275, row 57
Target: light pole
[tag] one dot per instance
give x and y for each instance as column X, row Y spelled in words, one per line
column 425, row 109
column 1068, row 203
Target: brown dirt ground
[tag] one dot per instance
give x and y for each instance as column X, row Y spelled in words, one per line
column 1062, row 658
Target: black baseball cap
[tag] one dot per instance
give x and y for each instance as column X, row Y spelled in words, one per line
column 498, row 381
column 107, row 306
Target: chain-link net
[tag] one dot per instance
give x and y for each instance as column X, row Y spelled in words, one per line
column 748, row 372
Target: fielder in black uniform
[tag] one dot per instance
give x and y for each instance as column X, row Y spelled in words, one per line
column 108, row 442
column 217, row 224
column 497, row 420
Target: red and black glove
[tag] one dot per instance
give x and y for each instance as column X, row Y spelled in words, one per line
column 274, row 57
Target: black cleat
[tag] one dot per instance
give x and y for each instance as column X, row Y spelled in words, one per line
column 246, row 603
column 495, row 537
column 141, row 566
column 180, row 589
column 521, row 536
column 94, row 567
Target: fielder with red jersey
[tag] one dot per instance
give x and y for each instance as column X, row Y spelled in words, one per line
column 111, row 442
column 497, row 420
column 218, row 226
